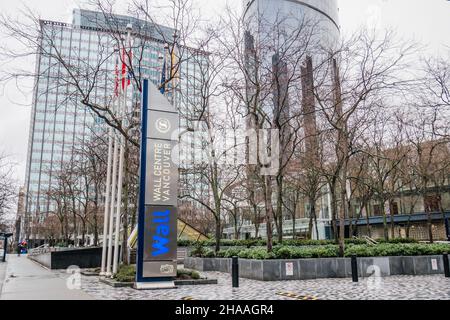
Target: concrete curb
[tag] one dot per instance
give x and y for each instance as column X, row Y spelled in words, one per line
column 117, row 284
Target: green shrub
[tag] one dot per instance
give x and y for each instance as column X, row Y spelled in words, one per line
column 249, row 243
column 126, row 273
column 398, row 240
column 397, row 249
column 330, row 250
column 256, row 253
column 228, row 253
column 187, row 274
column 202, row 252
column 209, row 253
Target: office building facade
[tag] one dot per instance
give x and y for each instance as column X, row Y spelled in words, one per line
column 59, row 121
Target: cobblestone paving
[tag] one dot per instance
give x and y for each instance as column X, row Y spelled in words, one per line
column 388, row 288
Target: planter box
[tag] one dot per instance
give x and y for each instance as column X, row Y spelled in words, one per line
column 304, row 269
column 117, row 284
column 88, row 273
column 195, row 282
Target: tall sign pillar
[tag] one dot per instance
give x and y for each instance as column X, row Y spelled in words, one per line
column 157, row 225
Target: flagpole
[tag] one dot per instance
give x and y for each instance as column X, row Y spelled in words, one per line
column 122, row 109
column 107, row 234
column 111, row 214
column 106, row 211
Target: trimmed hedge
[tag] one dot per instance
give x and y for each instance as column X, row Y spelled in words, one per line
column 328, row 251
column 288, row 242
column 400, row 249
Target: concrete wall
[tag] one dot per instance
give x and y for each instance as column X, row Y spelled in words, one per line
column 303, row 269
column 45, row 259
column 83, row 258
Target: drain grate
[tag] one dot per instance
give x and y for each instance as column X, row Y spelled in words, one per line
column 296, row 296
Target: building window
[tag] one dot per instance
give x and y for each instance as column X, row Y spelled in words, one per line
column 431, row 203
column 394, row 208
column 376, row 210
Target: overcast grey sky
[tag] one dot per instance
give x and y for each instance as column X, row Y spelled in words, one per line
column 425, row 21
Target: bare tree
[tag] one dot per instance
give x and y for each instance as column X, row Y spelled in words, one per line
column 426, row 152
column 7, row 187
column 363, row 71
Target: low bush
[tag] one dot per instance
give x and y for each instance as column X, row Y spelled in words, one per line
column 126, row 273
column 257, row 254
column 398, row 240
column 330, row 251
column 203, row 252
column 185, row 274
column 249, row 243
column 228, row 253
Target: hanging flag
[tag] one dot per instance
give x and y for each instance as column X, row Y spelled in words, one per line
column 124, row 68
column 174, row 71
column 116, row 78
column 163, row 78
column 126, row 72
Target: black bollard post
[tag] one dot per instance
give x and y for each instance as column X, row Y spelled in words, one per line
column 446, row 265
column 5, row 246
column 354, row 269
column 235, row 272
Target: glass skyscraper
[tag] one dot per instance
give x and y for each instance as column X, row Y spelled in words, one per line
column 59, row 121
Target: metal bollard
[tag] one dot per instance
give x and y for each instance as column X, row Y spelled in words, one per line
column 446, row 265
column 235, row 272
column 5, row 247
column 354, row 269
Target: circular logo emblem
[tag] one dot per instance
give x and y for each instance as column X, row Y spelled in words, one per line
column 163, row 125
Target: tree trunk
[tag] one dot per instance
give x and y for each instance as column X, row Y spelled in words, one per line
column 236, row 231
column 369, row 231
column 267, row 185
column 293, row 226
column 333, row 212
column 66, row 230
column 83, row 233
column 385, row 227
column 351, row 219
column 218, row 235
column 95, row 225
column 429, row 224
column 62, row 236
column 310, row 224
column 125, row 196
column 255, row 212
column 280, row 209
column 313, row 210
column 342, row 217
column 392, row 220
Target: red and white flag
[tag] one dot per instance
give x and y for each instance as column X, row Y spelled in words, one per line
column 126, row 72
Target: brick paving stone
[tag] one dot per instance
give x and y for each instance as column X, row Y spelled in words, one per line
column 433, row 287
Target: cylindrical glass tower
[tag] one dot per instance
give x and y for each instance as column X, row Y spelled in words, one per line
column 289, row 14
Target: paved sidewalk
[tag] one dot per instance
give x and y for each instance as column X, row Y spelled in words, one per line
column 434, row 287
column 27, row 280
column 2, row 274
